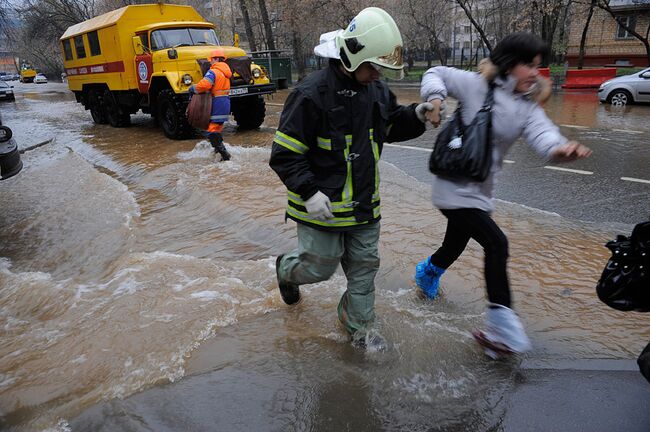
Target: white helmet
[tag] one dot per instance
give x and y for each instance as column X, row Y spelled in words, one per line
column 372, row 36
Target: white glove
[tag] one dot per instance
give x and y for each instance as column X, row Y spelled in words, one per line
column 421, row 111
column 319, row 207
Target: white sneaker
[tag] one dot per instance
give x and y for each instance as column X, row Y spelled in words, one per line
column 503, row 327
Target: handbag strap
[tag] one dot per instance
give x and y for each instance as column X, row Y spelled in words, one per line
column 487, row 106
column 489, row 98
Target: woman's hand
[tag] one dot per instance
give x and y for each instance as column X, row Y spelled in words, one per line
column 433, row 115
column 570, row 151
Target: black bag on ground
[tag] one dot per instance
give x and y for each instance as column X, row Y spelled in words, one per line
column 465, row 151
column 625, row 282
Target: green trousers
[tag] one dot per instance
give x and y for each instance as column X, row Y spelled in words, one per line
column 319, row 254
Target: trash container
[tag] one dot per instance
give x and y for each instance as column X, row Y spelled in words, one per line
column 10, row 163
column 277, row 66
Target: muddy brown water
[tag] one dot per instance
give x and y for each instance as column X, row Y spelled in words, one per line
column 128, row 260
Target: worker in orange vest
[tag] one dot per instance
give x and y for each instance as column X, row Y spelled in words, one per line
column 216, row 81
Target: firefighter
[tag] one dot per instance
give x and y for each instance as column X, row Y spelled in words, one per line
column 326, row 152
column 217, row 82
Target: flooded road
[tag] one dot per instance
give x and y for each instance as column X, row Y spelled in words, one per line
column 129, row 261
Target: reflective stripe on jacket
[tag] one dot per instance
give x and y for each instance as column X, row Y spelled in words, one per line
column 217, row 82
column 330, row 138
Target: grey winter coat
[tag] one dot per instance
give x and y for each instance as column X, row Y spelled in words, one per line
column 513, row 115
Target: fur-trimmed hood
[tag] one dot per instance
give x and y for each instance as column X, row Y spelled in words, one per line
column 539, row 93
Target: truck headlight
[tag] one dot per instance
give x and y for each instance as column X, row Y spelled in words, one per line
column 256, row 73
column 187, row 79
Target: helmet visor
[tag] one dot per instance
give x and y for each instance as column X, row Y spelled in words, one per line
column 394, row 59
column 394, row 74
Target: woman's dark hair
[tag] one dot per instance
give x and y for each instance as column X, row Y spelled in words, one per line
column 517, row 48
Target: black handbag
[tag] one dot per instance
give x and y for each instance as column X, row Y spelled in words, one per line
column 465, row 151
column 644, row 362
column 625, row 282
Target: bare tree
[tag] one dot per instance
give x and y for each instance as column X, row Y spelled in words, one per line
column 585, row 29
column 44, row 21
column 425, row 24
column 550, row 12
column 466, row 5
column 250, row 35
column 268, row 30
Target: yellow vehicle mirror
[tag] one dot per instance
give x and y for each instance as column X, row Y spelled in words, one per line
column 137, row 45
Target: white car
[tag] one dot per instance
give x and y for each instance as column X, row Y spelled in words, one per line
column 626, row 89
column 40, row 79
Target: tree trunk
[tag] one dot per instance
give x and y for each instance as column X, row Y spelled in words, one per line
column 268, row 30
column 247, row 23
column 563, row 31
column 296, row 45
column 583, row 39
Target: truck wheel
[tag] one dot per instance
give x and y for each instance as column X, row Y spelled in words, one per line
column 171, row 115
column 96, row 107
column 115, row 115
column 249, row 111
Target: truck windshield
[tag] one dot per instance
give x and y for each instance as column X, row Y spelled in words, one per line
column 174, row 37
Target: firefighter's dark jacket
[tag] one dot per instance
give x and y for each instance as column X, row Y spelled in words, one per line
column 330, row 138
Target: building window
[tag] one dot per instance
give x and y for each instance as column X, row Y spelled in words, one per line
column 630, row 22
column 456, row 45
column 93, row 42
column 79, row 46
column 468, row 29
column 67, row 49
column 466, row 45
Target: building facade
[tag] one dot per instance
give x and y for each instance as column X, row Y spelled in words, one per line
column 607, row 43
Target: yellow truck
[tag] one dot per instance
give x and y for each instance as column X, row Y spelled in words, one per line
column 145, row 57
column 27, row 73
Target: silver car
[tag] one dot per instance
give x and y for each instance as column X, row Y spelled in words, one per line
column 626, row 89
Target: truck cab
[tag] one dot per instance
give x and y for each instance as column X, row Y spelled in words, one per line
column 27, row 73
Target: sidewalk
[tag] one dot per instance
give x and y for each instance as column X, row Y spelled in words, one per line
column 235, row 399
column 581, row 395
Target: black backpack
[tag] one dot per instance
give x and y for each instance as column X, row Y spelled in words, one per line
column 625, row 282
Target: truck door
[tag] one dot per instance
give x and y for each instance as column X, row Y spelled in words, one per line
column 144, row 66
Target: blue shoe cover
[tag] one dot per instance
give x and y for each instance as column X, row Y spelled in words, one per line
column 427, row 277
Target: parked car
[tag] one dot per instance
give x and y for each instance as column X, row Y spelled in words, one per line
column 626, row 89
column 6, row 91
column 40, row 79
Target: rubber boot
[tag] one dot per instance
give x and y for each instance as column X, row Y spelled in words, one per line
column 369, row 341
column 427, row 277
column 217, row 142
column 289, row 292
